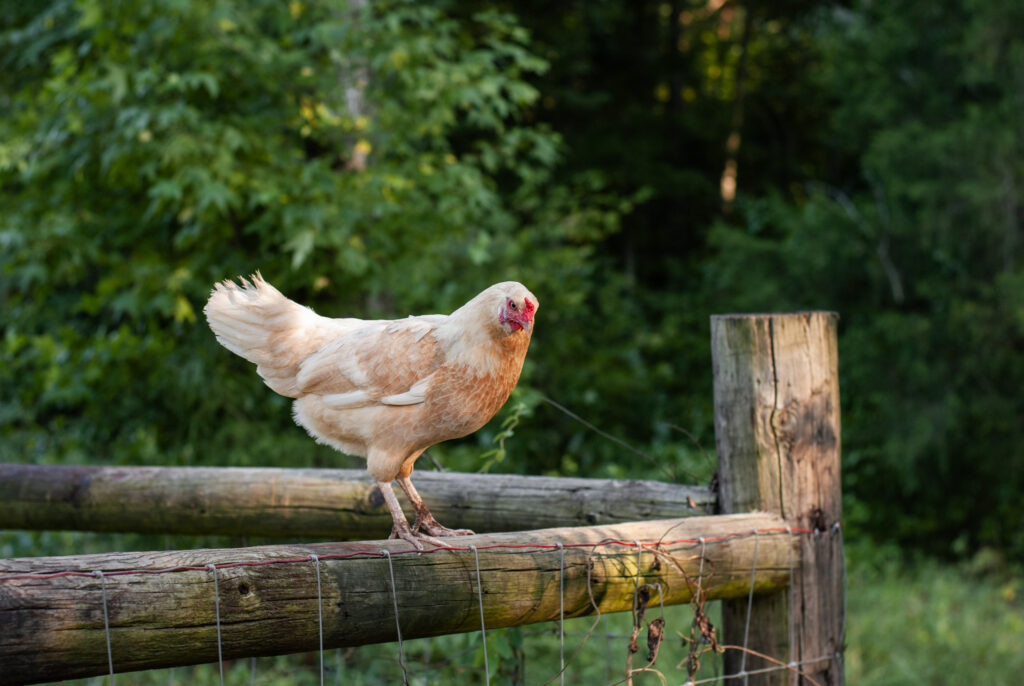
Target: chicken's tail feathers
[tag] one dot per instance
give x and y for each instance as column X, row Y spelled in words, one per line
column 255, row 321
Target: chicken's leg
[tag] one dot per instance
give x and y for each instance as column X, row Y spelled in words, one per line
column 401, row 527
column 425, row 520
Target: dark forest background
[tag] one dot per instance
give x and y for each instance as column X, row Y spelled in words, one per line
column 640, row 165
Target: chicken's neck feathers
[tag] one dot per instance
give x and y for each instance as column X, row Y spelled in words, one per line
column 472, row 337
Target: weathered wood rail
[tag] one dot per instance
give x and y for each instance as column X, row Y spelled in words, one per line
column 54, row 627
column 341, row 504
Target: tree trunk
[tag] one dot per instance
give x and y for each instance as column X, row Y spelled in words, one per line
column 730, row 172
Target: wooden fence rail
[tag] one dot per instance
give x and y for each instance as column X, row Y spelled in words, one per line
column 55, row 629
column 341, row 504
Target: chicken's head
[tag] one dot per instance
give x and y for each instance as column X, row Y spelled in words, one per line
column 516, row 308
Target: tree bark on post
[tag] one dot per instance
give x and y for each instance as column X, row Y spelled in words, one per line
column 777, row 432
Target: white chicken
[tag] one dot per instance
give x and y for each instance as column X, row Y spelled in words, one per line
column 385, row 390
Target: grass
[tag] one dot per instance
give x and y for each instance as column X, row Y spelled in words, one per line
column 921, row 622
column 927, row 623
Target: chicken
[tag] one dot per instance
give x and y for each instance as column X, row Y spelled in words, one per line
column 385, row 390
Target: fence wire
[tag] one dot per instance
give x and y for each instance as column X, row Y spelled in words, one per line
column 702, row 638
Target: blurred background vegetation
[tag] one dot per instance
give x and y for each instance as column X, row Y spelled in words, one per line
column 639, row 164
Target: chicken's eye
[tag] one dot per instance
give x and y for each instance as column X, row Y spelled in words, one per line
column 512, row 304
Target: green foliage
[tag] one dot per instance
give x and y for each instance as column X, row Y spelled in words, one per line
column 359, row 158
column 921, row 254
column 398, row 157
column 924, row 623
column 517, row 409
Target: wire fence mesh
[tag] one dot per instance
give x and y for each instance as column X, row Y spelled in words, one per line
column 682, row 643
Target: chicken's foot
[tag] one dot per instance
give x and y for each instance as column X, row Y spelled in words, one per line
column 424, row 519
column 401, row 528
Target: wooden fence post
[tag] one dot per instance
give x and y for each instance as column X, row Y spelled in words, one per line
column 777, row 433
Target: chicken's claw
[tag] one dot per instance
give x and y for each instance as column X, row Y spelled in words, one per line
column 426, row 522
column 414, row 537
